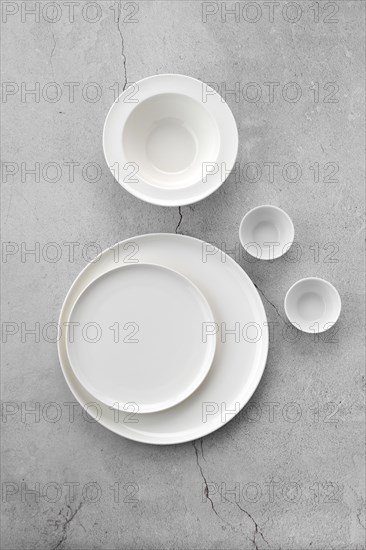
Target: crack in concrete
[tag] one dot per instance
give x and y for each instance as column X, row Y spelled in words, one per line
column 271, row 303
column 207, row 493
column 68, row 519
column 203, row 456
column 256, row 527
column 122, row 45
column 358, row 515
column 359, row 509
column 257, row 530
column 52, row 54
column 180, row 219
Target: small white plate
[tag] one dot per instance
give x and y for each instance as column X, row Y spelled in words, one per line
column 241, row 339
column 313, row 305
column 137, row 337
column 266, row 232
column 170, row 139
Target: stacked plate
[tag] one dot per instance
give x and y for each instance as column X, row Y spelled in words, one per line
column 165, row 337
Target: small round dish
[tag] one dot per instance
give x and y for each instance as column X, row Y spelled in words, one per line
column 135, row 337
column 313, row 305
column 266, row 232
column 170, row 140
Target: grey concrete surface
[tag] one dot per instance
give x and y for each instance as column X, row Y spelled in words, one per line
column 292, row 465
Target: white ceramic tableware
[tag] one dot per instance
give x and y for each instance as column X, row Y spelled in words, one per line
column 138, row 337
column 313, row 305
column 170, row 139
column 266, row 232
column 241, row 334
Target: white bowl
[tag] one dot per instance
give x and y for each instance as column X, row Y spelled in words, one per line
column 169, row 136
column 313, row 305
column 266, row 232
column 170, row 140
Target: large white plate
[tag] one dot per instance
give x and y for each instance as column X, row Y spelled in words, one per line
column 137, row 337
column 170, row 139
column 240, row 356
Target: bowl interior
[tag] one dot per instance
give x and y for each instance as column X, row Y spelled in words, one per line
column 266, row 232
column 313, row 304
column 169, row 137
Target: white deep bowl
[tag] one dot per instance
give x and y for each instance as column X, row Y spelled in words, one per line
column 266, row 232
column 170, row 140
column 170, row 136
column 313, row 305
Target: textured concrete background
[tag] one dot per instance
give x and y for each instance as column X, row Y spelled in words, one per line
column 294, row 460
